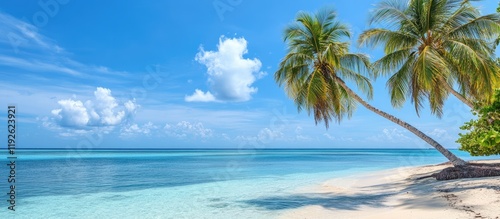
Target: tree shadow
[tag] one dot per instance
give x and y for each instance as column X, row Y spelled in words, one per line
column 364, row 197
column 430, row 192
column 328, row 200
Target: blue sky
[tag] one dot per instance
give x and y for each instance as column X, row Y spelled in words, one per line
column 183, row 74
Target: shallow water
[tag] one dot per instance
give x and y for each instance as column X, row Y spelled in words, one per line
column 183, row 183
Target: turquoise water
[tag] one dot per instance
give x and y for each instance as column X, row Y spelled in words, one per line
column 181, row 183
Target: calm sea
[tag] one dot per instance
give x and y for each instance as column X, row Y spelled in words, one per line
column 181, row 183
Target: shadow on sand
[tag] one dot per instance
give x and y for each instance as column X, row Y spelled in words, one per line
column 330, row 201
column 430, row 192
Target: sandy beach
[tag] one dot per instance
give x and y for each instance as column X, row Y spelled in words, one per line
column 397, row 193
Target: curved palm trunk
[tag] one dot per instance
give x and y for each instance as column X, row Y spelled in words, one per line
column 456, row 94
column 451, row 157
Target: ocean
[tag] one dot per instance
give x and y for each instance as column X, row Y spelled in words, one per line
column 183, row 183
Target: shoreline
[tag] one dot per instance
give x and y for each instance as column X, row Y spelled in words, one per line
column 398, row 193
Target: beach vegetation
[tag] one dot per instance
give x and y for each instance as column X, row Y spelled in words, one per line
column 318, row 69
column 483, row 134
column 434, row 48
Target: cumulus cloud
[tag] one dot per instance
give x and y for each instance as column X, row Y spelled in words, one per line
column 104, row 110
column 200, row 96
column 230, row 76
column 186, row 129
column 71, row 113
column 52, row 124
column 131, row 107
column 266, row 135
column 135, row 129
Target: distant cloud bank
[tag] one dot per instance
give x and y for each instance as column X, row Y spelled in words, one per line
column 104, row 110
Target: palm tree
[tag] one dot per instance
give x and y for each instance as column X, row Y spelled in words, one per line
column 433, row 45
column 498, row 39
column 314, row 70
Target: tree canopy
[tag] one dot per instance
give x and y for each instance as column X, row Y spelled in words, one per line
column 318, row 53
column 317, row 65
column 483, row 136
column 433, row 47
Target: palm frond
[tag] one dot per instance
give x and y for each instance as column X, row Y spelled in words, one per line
column 317, row 54
column 399, row 82
column 427, row 42
column 392, row 40
column 391, row 62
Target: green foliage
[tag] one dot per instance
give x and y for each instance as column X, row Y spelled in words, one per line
column 498, row 11
column 431, row 47
column 483, row 136
column 318, row 58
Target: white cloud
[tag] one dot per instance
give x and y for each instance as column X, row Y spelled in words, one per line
column 131, row 106
column 71, row 114
column 439, row 133
column 333, row 138
column 230, row 76
column 22, row 34
column 135, row 129
column 394, row 135
column 29, row 52
column 104, row 110
column 299, row 136
column 200, row 96
column 263, row 137
column 53, row 125
column 443, row 136
column 186, row 129
column 229, row 119
column 267, row 135
column 36, row 66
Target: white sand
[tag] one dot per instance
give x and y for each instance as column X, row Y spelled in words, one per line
column 397, row 194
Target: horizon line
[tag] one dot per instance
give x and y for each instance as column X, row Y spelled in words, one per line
column 88, row 149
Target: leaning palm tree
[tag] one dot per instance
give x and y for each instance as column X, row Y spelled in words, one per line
column 430, row 47
column 316, row 66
